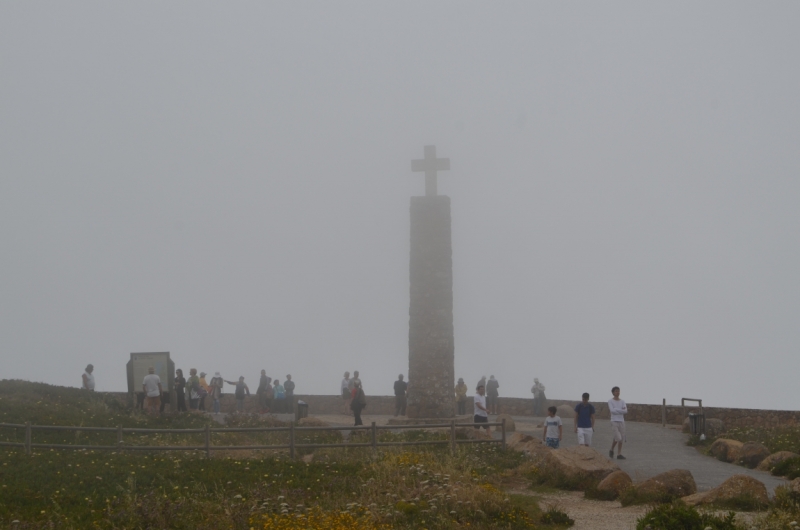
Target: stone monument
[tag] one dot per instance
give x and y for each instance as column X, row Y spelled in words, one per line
column 430, row 336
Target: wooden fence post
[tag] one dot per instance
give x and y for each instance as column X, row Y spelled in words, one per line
column 503, row 426
column 291, row 440
column 453, row 437
column 208, row 442
column 27, row 437
column 664, row 412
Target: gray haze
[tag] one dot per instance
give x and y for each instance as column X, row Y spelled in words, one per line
column 230, row 182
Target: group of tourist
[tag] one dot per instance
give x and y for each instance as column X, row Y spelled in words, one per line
column 492, row 393
column 272, row 395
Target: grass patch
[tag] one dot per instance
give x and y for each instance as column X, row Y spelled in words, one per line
column 549, row 477
column 424, row 486
column 679, row 516
column 631, row 495
column 782, row 438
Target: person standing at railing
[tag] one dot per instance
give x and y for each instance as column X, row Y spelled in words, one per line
column 215, row 389
column 204, row 391
column 151, row 386
column 344, row 390
column 492, row 386
column 193, row 384
column 288, row 387
column 261, row 391
column 400, row 388
column 359, row 403
column 180, row 388
column 278, row 396
column 461, row 396
column 88, row 378
column 239, row 393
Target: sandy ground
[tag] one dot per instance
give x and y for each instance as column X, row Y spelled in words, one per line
column 589, row 514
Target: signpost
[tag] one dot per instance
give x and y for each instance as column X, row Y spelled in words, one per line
column 164, row 368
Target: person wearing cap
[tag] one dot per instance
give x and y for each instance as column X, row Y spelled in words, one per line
column 151, row 386
column 204, row 391
column 461, row 396
column 88, row 378
column 216, row 390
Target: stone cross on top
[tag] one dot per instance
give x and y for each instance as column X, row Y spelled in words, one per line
column 430, row 165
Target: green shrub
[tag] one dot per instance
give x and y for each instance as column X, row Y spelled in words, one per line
column 789, row 468
column 554, row 516
column 679, row 516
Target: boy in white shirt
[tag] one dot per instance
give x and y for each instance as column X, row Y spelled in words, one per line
column 617, row 408
column 553, row 429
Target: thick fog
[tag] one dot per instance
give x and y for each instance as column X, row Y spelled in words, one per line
column 230, row 182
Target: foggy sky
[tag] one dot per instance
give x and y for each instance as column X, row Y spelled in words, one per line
column 230, row 182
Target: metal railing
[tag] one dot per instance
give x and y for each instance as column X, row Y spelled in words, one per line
column 207, row 446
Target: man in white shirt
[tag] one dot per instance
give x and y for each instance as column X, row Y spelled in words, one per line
column 151, row 386
column 345, row 389
column 88, row 378
column 481, row 413
column 617, row 408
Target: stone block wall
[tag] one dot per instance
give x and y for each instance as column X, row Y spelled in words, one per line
column 384, row 405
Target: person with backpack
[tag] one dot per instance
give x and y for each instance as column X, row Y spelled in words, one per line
column 193, row 384
column 278, row 396
column 359, row 402
column 215, row 389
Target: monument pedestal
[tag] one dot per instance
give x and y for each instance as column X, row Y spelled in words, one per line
column 430, row 339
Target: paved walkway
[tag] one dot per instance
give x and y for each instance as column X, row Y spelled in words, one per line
column 650, row 450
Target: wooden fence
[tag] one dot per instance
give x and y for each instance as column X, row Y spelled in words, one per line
column 292, row 446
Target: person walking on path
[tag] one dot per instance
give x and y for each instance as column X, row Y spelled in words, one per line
column 278, row 396
column 461, row 396
column 288, row 387
column 481, row 413
column 151, row 386
column 344, row 390
column 584, row 421
column 204, row 391
column 359, row 403
column 88, row 378
column 553, row 429
column 491, row 393
column 241, row 390
column 261, row 391
column 216, row 390
column 400, row 388
column 180, row 389
column 617, row 409
column 539, row 399
column 193, row 384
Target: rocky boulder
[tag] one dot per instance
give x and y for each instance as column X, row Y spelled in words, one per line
column 774, row 459
column 738, row 488
column 794, row 485
column 530, row 445
column 725, row 449
column 672, row 484
column 580, row 461
column 510, row 425
column 566, row 412
column 751, row 454
column 615, row 483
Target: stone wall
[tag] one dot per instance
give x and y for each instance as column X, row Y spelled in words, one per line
column 430, row 337
column 384, row 405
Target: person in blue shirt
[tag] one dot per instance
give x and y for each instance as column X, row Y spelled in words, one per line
column 584, row 421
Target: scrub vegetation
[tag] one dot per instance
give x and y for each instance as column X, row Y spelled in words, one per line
column 352, row 488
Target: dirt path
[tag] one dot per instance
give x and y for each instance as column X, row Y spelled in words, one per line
column 589, row 514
